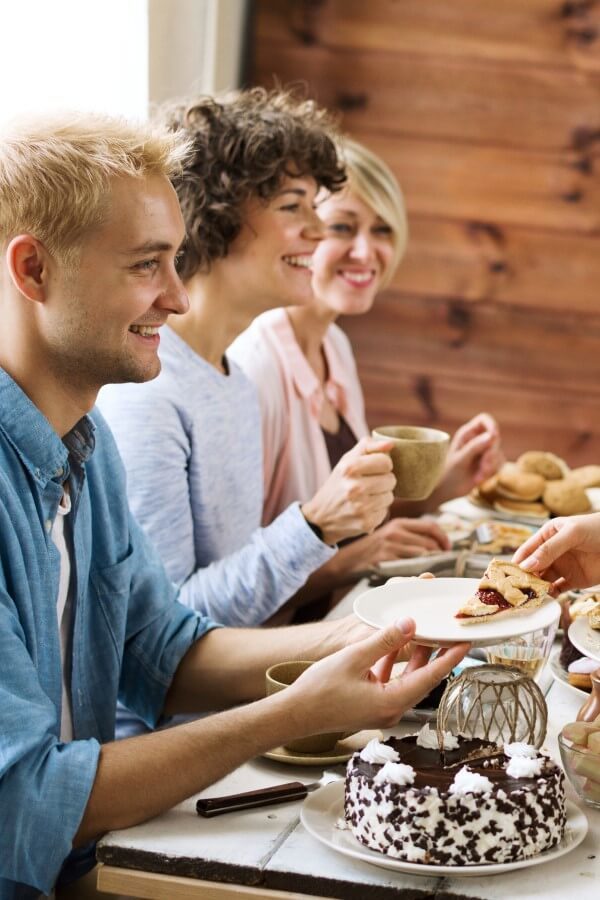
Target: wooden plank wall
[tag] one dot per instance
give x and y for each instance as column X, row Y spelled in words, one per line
column 489, row 114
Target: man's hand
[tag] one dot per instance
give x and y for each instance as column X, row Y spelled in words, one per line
column 357, row 495
column 351, row 690
column 565, row 551
column 346, row 691
column 474, row 455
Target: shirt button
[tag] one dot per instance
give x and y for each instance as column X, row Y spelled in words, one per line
column 48, row 525
column 59, row 472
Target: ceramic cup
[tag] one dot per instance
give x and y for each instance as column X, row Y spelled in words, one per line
column 418, row 457
column 280, row 676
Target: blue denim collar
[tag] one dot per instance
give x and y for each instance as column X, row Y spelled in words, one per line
column 38, row 445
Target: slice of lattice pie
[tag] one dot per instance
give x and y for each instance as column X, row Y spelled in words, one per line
column 504, row 590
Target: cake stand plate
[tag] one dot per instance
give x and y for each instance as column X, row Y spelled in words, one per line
column 433, row 602
column 322, row 812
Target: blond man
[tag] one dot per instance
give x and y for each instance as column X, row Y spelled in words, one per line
column 90, row 229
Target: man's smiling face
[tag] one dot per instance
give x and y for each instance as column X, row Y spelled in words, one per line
column 101, row 319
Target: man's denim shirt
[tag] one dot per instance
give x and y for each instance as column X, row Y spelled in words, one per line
column 129, row 634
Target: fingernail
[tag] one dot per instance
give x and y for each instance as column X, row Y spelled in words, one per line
column 532, row 562
column 405, row 625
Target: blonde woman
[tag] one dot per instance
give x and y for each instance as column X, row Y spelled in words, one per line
column 304, row 368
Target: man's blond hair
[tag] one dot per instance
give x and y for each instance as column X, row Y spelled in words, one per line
column 55, row 173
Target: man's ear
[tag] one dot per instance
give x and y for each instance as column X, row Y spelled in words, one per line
column 27, row 261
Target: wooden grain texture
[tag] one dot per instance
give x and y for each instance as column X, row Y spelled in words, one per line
column 514, row 266
column 392, row 93
column 489, row 115
column 547, row 32
column 511, row 106
column 438, row 363
column 458, row 180
column 439, row 334
column 150, row 886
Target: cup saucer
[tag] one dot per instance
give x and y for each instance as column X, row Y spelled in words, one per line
column 342, row 751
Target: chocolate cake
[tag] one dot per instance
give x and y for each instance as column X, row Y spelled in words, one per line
column 470, row 803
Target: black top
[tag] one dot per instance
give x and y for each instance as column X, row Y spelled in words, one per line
column 339, row 443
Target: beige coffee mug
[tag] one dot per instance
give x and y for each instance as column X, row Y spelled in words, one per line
column 280, row 676
column 418, row 457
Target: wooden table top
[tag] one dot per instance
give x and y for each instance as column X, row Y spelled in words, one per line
column 268, row 849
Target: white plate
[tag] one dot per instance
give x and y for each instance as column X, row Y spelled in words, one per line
column 581, row 636
column 560, row 674
column 321, row 811
column 341, row 753
column 593, row 495
column 466, row 509
column 443, row 565
column 432, row 603
column 445, row 561
column 415, row 565
column 462, row 506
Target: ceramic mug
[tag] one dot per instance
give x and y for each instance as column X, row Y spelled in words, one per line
column 418, row 458
column 280, row 676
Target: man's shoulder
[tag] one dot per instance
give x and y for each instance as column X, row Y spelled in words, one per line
column 8, row 460
column 15, row 467
column 106, row 456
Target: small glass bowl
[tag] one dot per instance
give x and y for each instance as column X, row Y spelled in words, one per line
column 579, row 764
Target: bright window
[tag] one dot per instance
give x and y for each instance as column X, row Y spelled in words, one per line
column 77, row 54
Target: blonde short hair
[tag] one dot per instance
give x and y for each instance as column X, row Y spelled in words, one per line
column 55, row 173
column 374, row 182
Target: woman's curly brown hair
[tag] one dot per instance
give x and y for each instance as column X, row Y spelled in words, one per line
column 242, row 147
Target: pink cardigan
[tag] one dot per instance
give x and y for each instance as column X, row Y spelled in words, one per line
column 295, row 456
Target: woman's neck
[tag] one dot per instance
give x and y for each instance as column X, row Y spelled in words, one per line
column 310, row 327
column 213, row 321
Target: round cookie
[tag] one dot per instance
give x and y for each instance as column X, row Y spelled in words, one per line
column 586, row 476
column 477, row 500
column 547, row 465
column 566, row 498
column 488, row 488
column 521, row 507
column 514, row 484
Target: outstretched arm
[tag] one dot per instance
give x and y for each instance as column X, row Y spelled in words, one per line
column 347, row 691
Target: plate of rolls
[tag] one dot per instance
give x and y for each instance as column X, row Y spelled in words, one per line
column 539, row 485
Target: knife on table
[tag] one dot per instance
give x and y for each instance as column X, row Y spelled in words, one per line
column 277, row 793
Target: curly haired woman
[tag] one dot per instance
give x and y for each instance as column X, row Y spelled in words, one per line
column 304, row 369
column 191, row 439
